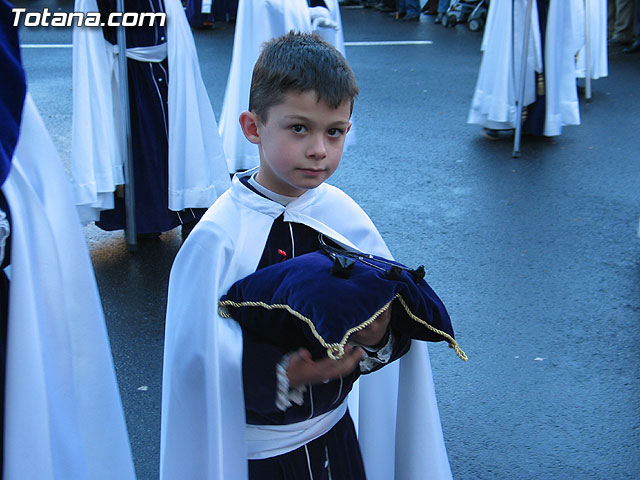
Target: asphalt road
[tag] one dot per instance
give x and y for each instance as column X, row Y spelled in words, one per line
column 536, row 258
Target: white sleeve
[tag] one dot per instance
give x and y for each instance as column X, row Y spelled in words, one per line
column 202, row 428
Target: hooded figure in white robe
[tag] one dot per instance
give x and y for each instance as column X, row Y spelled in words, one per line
column 257, row 22
column 494, row 103
column 197, row 172
column 63, row 417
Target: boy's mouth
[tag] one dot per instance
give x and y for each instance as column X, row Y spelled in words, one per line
column 311, row 171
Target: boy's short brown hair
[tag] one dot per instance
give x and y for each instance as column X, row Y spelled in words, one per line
column 300, row 62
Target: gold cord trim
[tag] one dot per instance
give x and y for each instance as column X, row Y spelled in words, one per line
column 335, row 351
column 452, row 343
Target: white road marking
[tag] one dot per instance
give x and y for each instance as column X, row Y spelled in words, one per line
column 46, row 45
column 390, row 43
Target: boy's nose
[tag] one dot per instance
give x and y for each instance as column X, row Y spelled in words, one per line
column 317, row 148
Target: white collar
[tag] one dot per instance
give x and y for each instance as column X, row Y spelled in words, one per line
column 271, row 195
column 248, row 198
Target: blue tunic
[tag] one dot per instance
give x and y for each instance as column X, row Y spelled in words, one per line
column 534, row 123
column 334, row 455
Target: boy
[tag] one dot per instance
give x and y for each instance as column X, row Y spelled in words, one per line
column 257, row 22
column 228, row 398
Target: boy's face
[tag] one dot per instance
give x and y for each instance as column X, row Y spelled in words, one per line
column 300, row 143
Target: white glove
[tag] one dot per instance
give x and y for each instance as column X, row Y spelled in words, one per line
column 4, row 233
column 320, row 17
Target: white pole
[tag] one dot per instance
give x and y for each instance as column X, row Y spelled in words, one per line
column 587, row 52
column 523, row 71
column 129, row 195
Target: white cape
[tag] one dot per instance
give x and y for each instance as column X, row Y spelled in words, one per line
column 203, row 419
column 197, row 166
column 597, row 42
column 63, row 414
column 494, row 99
column 563, row 40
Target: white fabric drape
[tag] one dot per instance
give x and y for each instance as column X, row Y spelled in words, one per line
column 563, row 40
column 63, row 414
column 598, row 42
column 494, row 99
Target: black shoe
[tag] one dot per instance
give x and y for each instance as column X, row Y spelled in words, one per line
column 494, row 135
column 634, row 48
column 148, row 237
column 617, row 42
column 429, row 9
column 438, row 18
column 411, row 18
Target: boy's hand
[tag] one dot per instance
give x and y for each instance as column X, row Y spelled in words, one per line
column 374, row 333
column 302, row 370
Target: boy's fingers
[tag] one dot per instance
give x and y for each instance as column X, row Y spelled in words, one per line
column 347, row 363
column 354, row 352
column 304, row 354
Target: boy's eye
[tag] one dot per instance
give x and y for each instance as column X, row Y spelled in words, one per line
column 334, row 132
column 299, row 128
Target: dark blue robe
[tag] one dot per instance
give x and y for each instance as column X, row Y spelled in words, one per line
column 12, row 94
column 534, row 122
column 337, row 451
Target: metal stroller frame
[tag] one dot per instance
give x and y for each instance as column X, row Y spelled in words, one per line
column 478, row 17
column 473, row 12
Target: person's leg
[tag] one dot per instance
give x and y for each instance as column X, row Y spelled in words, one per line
column 430, row 8
column 443, row 5
column 387, row 6
column 635, row 46
column 622, row 28
column 442, row 8
column 611, row 17
column 413, row 9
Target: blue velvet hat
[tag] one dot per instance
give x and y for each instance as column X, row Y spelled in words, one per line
column 320, row 299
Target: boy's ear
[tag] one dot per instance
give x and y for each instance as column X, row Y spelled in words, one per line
column 249, row 125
